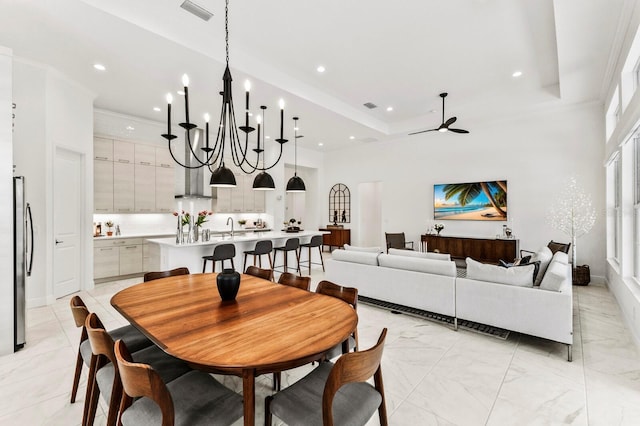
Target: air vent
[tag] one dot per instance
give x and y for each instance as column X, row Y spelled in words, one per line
column 197, row 10
column 371, row 105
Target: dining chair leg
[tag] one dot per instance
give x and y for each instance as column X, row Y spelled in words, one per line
column 87, row 399
column 114, row 403
column 270, row 262
column 321, row 259
column 267, row 411
column 277, row 381
column 309, row 260
column 76, row 377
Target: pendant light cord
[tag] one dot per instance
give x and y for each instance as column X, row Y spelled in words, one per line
column 226, row 28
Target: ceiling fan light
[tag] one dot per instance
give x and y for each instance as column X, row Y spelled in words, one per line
column 296, row 184
column 263, row 182
column 442, row 129
column 222, row 177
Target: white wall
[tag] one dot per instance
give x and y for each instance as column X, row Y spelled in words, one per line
column 536, row 154
column 6, row 199
column 52, row 112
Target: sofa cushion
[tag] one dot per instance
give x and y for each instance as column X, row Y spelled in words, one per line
column 426, row 255
column 544, row 256
column 554, row 277
column 367, row 258
column 430, row 266
column 363, row 249
column 520, row 276
column 536, row 267
column 561, row 257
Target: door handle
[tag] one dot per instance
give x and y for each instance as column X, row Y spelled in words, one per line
column 59, row 242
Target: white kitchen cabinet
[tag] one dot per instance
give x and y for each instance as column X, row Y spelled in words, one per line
column 123, row 152
column 131, row 257
column 145, row 188
column 145, row 154
column 241, row 199
column 102, row 186
column 106, row 262
column 163, row 157
column 123, row 187
column 259, row 199
column 103, row 149
column 248, row 197
column 237, row 194
column 165, row 189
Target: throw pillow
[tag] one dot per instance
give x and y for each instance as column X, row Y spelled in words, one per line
column 555, row 277
column 520, row 276
column 543, row 256
column 536, row 267
column 555, row 247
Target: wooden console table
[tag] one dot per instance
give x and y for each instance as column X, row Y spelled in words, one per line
column 338, row 237
column 486, row 250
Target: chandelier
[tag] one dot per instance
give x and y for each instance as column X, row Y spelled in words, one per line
column 213, row 157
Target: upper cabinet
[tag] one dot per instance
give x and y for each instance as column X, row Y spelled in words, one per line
column 241, row 199
column 132, row 177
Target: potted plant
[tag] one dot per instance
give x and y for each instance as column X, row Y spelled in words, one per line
column 109, row 225
column 242, row 222
column 438, row 227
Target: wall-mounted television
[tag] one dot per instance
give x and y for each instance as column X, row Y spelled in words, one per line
column 470, row 201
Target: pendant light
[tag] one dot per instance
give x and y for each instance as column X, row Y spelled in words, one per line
column 263, row 180
column 295, row 184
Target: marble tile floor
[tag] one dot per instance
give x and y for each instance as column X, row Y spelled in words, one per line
column 433, row 375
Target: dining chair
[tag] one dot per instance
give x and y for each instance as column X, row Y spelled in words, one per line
column 350, row 296
column 291, row 245
column 265, row 274
column 334, row 393
column 316, row 241
column 221, row 253
column 293, row 280
column 260, row 249
column 128, row 333
column 103, row 372
column 192, row 399
column 150, row 276
column 397, row 241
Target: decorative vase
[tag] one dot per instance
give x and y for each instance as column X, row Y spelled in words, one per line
column 109, row 233
column 196, row 233
column 228, row 284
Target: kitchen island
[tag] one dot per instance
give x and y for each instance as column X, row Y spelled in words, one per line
column 171, row 255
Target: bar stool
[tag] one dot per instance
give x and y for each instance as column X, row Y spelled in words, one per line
column 292, row 244
column 316, row 241
column 220, row 253
column 262, row 247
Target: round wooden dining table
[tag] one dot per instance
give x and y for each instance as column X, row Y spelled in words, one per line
column 268, row 328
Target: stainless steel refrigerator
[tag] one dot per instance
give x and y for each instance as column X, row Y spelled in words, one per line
column 23, row 255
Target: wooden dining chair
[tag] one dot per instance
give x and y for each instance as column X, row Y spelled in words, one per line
column 150, row 276
column 265, row 274
column 293, row 280
column 350, row 296
column 103, row 373
column 193, row 399
column 130, row 334
column 397, row 241
column 315, row 400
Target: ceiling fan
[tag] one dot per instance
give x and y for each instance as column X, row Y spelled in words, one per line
column 444, row 127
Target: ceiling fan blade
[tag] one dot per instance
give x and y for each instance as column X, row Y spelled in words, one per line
column 458, row 131
column 450, row 121
column 422, row 131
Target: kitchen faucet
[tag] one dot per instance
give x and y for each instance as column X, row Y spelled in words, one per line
column 230, row 219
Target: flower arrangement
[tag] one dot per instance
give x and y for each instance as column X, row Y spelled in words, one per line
column 186, row 217
column 202, row 217
column 109, row 224
column 438, row 227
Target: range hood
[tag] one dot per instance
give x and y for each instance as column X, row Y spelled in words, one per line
column 194, row 179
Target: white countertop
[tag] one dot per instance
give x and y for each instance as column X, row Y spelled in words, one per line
column 245, row 237
column 133, row 235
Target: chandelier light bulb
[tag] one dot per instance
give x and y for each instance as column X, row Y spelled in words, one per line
column 258, row 119
column 281, row 103
column 169, row 98
column 185, row 80
column 207, row 117
column 247, row 85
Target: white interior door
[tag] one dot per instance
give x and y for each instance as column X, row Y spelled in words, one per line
column 67, row 222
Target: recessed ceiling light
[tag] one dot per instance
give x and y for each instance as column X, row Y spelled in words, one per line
column 516, row 74
column 433, row 110
column 267, row 137
column 390, row 108
column 157, row 109
column 320, row 69
column 320, row 144
column 352, row 137
column 130, row 128
column 99, row 67
column 180, row 92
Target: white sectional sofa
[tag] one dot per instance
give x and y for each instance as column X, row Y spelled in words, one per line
column 425, row 284
column 491, row 295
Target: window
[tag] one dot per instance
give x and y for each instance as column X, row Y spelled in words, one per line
column 636, row 208
column 617, row 207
